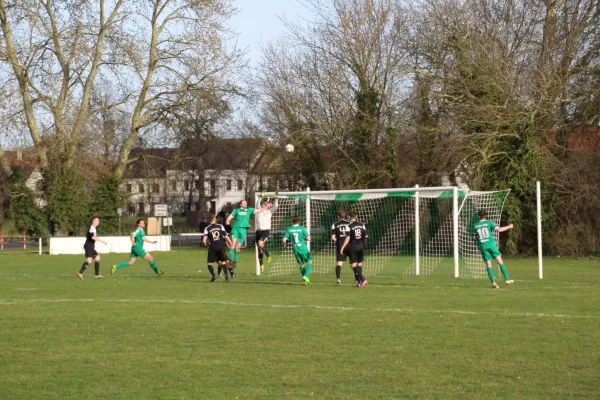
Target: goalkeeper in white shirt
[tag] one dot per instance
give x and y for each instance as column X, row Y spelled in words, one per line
column 263, row 228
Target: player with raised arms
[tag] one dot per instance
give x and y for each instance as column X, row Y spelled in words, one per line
column 138, row 237
column 89, row 247
column 218, row 240
column 339, row 231
column 483, row 235
column 263, row 228
column 298, row 235
column 355, row 242
column 241, row 223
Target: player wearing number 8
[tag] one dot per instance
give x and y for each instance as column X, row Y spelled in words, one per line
column 355, row 244
column 483, row 234
column 298, row 235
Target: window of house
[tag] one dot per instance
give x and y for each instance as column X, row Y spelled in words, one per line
column 240, row 185
column 186, row 184
column 155, row 188
column 128, row 187
column 141, row 208
column 290, row 185
column 228, row 184
column 269, row 184
column 174, row 185
column 197, row 185
column 141, row 188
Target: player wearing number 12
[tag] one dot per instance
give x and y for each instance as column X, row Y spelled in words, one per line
column 483, row 234
column 298, row 235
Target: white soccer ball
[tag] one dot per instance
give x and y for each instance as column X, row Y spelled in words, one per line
column 289, row 148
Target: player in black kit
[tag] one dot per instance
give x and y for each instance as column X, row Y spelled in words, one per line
column 219, row 243
column 90, row 251
column 339, row 230
column 355, row 243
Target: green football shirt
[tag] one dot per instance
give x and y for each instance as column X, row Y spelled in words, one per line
column 484, row 231
column 242, row 217
column 298, row 235
column 139, row 237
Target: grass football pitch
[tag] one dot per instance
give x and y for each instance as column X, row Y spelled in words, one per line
column 135, row 336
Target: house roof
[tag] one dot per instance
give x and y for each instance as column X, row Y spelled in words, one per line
column 220, row 154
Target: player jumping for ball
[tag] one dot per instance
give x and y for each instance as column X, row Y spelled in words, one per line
column 90, row 250
column 137, row 250
column 263, row 229
column 298, row 235
column 240, row 226
column 355, row 241
column 483, row 234
column 219, row 241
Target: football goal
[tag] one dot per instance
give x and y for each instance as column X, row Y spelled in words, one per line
column 412, row 231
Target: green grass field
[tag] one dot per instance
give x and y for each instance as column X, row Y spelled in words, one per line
column 135, row 336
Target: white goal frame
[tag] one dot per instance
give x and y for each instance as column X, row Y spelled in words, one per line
column 417, row 190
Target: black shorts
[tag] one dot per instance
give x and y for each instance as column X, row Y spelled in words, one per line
column 90, row 251
column 217, row 254
column 339, row 256
column 262, row 235
column 357, row 255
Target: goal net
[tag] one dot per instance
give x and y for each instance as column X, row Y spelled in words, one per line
column 416, row 231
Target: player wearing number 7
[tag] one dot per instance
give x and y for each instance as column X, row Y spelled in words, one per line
column 483, row 234
column 298, row 235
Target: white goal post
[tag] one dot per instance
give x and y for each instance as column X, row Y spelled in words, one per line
column 412, row 231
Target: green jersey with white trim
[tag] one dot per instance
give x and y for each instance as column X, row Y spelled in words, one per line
column 297, row 235
column 484, row 231
column 138, row 236
column 242, row 217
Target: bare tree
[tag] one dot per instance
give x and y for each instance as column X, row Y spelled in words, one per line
column 336, row 83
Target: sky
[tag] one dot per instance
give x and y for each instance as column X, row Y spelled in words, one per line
column 257, row 22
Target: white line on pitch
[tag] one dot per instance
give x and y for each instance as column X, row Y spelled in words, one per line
column 296, row 306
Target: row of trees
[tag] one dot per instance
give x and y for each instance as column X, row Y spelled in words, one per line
column 495, row 94
column 81, row 79
column 373, row 93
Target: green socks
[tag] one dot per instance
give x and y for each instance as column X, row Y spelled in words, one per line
column 153, row 266
column 237, row 256
column 122, row 265
column 504, row 272
column 491, row 275
column 302, row 271
column 307, row 270
column 231, row 250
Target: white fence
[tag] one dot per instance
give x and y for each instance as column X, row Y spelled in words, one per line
column 116, row 244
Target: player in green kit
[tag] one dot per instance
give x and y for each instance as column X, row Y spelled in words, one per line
column 298, row 235
column 483, row 234
column 137, row 250
column 240, row 226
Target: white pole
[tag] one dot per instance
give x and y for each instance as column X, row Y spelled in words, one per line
column 256, row 199
column 455, row 228
column 417, row 234
column 308, row 215
column 40, row 246
column 539, row 228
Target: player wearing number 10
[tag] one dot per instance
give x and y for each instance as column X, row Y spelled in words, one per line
column 299, row 236
column 483, row 235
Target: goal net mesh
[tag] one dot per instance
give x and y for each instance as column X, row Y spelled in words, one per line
column 390, row 221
